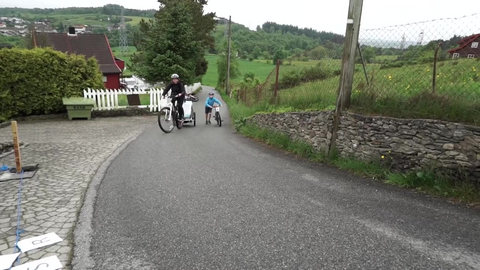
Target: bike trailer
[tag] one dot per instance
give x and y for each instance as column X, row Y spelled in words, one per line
column 187, row 109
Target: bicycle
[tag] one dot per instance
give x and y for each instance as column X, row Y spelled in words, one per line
column 217, row 115
column 170, row 114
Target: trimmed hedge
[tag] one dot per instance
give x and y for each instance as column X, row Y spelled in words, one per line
column 35, row 81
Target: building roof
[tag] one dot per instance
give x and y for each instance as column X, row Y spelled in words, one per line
column 464, row 42
column 89, row 45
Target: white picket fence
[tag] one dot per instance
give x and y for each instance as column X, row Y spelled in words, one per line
column 108, row 99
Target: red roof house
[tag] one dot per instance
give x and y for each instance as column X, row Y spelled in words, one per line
column 90, row 45
column 468, row 48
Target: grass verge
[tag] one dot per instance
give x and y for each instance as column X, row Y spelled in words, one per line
column 428, row 182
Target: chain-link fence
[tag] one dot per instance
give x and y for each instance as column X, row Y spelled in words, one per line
column 427, row 69
column 395, row 72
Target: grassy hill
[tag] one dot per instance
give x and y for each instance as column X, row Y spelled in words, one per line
column 401, row 92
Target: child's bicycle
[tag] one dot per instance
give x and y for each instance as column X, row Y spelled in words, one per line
column 170, row 116
column 217, row 115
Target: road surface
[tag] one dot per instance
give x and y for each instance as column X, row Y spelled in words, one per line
column 206, row 198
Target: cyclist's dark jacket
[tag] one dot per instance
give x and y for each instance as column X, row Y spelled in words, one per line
column 176, row 89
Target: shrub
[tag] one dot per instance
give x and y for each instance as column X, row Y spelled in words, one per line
column 315, row 73
column 35, row 81
column 290, row 79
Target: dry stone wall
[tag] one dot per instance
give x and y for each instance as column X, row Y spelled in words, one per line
column 403, row 144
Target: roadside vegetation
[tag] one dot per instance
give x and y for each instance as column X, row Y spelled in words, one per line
column 428, row 181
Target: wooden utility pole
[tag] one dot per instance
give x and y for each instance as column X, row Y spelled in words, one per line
column 229, row 54
column 348, row 66
column 16, row 147
column 351, row 41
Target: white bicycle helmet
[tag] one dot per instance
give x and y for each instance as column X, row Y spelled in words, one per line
column 175, row 76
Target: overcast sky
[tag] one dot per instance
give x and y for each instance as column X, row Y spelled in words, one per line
column 318, row 14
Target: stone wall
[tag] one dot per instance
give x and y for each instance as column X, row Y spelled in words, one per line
column 403, row 144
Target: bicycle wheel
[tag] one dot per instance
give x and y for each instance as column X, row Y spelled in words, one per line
column 178, row 121
column 219, row 119
column 165, row 124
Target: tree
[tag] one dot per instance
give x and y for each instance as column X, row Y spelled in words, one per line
column 279, row 55
column 256, row 52
column 60, row 27
column 222, row 66
column 368, row 54
column 318, row 53
column 174, row 42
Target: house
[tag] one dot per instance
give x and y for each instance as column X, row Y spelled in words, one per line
column 468, row 48
column 90, row 45
column 80, row 28
column 3, row 25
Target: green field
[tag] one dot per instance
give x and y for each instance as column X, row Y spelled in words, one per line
column 126, row 57
column 261, row 69
column 401, row 92
column 75, row 19
column 136, row 20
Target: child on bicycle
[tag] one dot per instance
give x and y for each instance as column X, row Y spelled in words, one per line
column 211, row 100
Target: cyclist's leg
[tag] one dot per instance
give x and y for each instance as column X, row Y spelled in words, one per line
column 180, row 107
column 206, row 114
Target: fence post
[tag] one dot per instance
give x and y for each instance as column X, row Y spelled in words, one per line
column 229, row 54
column 276, row 81
column 363, row 63
column 434, row 79
column 348, row 67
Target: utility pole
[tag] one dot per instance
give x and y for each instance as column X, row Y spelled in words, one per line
column 348, row 66
column 229, row 54
column 351, row 43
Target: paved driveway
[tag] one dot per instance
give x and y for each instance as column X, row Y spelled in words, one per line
column 69, row 154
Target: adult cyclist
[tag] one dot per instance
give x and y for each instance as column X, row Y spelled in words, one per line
column 211, row 100
column 178, row 93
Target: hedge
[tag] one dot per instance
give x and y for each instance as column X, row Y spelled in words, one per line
column 35, row 81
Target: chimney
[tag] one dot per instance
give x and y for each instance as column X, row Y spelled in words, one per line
column 71, row 31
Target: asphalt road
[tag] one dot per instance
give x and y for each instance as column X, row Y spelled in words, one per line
column 206, row 198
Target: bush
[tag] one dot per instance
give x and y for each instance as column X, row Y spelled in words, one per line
column 290, row 79
column 35, row 81
column 315, row 73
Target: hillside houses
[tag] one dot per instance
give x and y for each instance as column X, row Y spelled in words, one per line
column 13, row 26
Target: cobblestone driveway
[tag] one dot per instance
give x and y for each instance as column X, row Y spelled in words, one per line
column 69, row 153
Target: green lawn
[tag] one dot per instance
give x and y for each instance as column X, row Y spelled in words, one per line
column 261, row 69
column 144, row 100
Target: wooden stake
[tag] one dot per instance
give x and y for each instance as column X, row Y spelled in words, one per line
column 276, row 81
column 16, row 147
column 229, row 53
